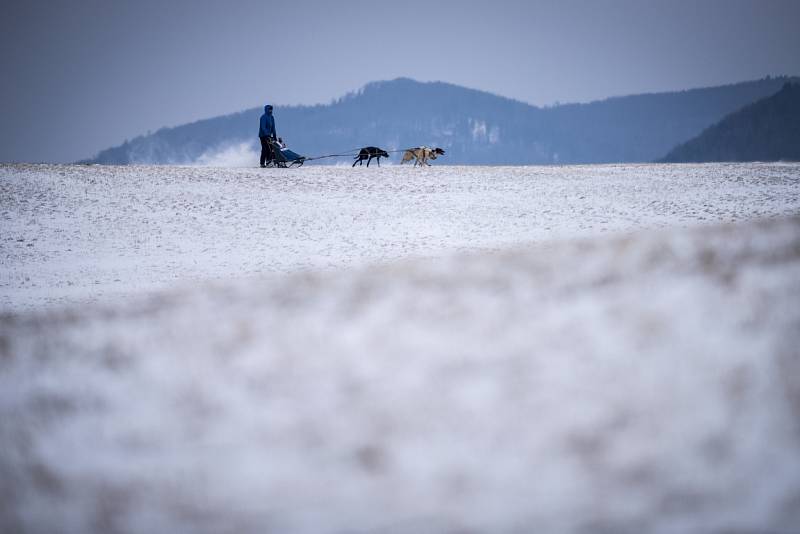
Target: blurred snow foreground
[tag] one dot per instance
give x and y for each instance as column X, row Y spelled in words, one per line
column 648, row 382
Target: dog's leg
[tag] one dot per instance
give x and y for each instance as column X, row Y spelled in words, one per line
column 354, row 163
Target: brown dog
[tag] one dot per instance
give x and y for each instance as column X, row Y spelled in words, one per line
column 421, row 155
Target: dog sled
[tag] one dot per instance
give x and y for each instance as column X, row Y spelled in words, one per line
column 283, row 157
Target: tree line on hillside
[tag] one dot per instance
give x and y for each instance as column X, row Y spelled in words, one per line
column 474, row 127
column 767, row 130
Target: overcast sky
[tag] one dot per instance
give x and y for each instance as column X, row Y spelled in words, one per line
column 79, row 76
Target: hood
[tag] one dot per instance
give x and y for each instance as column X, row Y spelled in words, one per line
column 268, row 109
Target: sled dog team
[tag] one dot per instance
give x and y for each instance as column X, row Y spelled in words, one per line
column 272, row 146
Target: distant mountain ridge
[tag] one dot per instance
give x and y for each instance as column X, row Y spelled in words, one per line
column 475, row 127
column 767, row 130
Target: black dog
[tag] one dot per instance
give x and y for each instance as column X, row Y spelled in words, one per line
column 369, row 152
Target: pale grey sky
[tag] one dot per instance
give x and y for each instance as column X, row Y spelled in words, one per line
column 80, row 76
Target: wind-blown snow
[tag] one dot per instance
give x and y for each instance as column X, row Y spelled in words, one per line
column 78, row 233
column 235, row 155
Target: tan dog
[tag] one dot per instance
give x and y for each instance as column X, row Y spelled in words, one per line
column 421, row 155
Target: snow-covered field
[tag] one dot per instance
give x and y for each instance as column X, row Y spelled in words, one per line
column 435, row 350
column 76, row 234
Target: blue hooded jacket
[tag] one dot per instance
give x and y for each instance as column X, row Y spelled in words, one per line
column 266, row 126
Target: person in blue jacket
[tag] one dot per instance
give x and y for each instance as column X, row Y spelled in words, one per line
column 266, row 132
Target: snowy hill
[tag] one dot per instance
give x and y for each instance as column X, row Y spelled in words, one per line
column 473, row 126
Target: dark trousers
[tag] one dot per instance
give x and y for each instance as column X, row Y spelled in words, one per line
column 266, row 151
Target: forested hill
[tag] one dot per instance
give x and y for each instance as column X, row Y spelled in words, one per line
column 474, row 127
column 767, row 130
